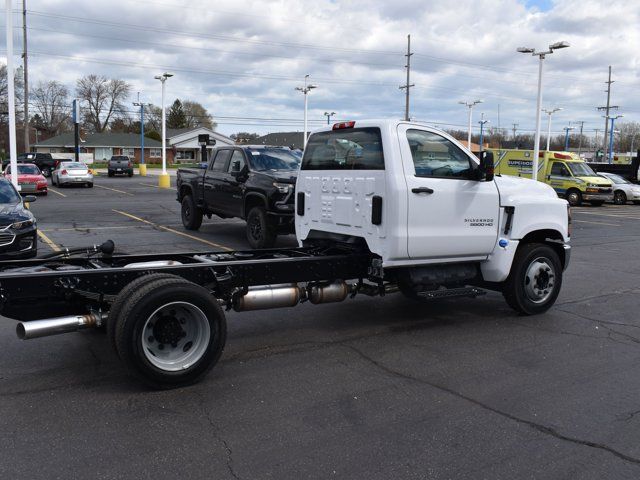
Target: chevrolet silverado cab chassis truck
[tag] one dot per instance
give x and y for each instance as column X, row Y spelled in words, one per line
column 380, row 206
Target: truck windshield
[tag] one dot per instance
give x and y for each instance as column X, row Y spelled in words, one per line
column 581, row 169
column 344, row 149
column 617, row 179
column 266, row 159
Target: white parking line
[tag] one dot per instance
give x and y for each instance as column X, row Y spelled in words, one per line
column 597, row 223
column 114, row 190
column 56, row 192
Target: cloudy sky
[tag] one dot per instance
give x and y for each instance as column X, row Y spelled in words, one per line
column 243, row 59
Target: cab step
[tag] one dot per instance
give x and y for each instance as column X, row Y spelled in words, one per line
column 451, row 292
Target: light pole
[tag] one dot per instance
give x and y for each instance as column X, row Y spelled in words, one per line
column 305, row 90
column 550, row 112
column 329, row 115
column 163, row 181
column 482, row 122
column 613, row 119
column 142, row 167
column 470, row 105
column 541, row 55
column 566, row 137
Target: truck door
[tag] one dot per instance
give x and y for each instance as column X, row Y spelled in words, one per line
column 450, row 216
column 232, row 187
column 212, row 184
column 559, row 176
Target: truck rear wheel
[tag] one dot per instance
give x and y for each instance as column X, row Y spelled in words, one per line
column 170, row 333
column 191, row 213
column 260, row 232
column 535, row 279
column 574, row 197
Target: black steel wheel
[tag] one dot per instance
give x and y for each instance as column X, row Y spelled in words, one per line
column 191, row 213
column 535, row 279
column 260, row 231
column 170, row 333
column 619, row 198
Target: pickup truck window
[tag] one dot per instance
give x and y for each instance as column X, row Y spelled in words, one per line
column 221, row 161
column 435, row 156
column 267, row 159
column 239, row 156
column 344, row 149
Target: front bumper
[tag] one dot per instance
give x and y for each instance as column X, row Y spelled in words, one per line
column 23, row 244
column 603, row 197
column 567, row 255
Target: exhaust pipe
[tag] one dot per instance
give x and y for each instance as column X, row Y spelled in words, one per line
column 289, row 295
column 56, row 326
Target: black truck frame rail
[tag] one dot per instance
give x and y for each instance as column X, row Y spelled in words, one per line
column 163, row 313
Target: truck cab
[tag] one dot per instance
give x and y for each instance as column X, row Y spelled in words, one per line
column 434, row 214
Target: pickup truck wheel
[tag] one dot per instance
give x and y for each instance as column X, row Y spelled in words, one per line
column 619, row 198
column 574, row 197
column 260, row 231
column 191, row 214
column 535, row 279
column 170, row 333
column 124, row 295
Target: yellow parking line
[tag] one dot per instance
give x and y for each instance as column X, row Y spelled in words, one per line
column 82, row 229
column 177, row 232
column 114, row 190
column 56, row 192
column 48, row 241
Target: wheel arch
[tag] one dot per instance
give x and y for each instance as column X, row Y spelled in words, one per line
column 185, row 189
column 252, row 200
column 547, row 236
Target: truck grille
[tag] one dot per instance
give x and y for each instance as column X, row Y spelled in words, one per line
column 6, row 238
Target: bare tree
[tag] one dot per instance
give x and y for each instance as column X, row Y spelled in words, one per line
column 153, row 118
column 104, row 99
column 197, row 116
column 51, row 102
column 629, row 140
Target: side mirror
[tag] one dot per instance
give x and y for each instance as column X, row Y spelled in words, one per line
column 235, row 168
column 29, row 199
column 486, row 166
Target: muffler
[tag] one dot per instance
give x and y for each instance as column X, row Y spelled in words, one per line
column 289, row 295
column 56, row 326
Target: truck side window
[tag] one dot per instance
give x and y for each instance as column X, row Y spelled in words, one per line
column 435, row 156
column 221, row 161
column 239, row 156
column 559, row 169
column 344, row 149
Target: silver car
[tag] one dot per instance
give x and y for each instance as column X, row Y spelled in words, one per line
column 623, row 190
column 72, row 173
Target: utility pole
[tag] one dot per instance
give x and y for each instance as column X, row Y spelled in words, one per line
column 606, row 109
column 515, row 127
column 595, row 141
column 142, row 167
column 408, row 85
column 26, row 75
column 581, row 122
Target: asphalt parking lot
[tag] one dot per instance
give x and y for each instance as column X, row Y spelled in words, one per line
column 366, row 389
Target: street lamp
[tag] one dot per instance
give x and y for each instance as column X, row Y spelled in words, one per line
column 550, row 112
column 305, row 90
column 566, row 137
column 482, row 122
column 541, row 55
column 613, row 119
column 329, row 115
column 470, row 105
column 163, row 181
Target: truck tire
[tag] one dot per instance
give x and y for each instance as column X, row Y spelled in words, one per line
column 170, row 333
column 260, row 231
column 619, row 198
column 124, row 295
column 191, row 213
column 535, row 279
column 574, row 197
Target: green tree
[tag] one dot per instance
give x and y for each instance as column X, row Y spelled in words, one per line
column 176, row 117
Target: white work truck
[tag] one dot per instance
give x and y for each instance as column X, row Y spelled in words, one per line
column 380, row 206
column 436, row 216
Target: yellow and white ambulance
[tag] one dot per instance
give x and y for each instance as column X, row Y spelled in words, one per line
column 566, row 172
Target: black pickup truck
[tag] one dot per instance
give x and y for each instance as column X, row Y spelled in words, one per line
column 255, row 183
column 44, row 161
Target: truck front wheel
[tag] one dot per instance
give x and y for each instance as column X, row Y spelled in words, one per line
column 260, row 231
column 170, row 333
column 191, row 213
column 574, row 197
column 535, row 279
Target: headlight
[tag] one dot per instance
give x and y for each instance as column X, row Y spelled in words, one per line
column 282, row 187
column 595, row 185
column 21, row 225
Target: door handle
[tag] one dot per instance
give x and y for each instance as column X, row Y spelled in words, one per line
column 422, row 190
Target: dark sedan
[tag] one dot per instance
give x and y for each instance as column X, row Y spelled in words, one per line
column 18, row 229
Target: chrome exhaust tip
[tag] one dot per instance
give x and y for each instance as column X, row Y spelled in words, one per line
column 56, row 326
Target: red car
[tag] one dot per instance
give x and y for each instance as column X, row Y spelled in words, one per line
column 30, row 179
